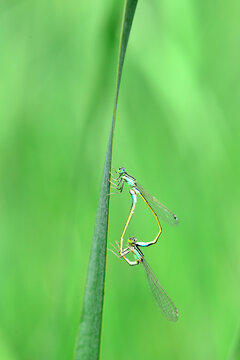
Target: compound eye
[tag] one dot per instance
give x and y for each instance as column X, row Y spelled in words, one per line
column 122, row 169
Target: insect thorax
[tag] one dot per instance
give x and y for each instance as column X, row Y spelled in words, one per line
column 137, row 253
column 131, row 181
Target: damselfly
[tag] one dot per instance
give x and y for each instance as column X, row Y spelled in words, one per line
column 159, row 211
column 163, row 300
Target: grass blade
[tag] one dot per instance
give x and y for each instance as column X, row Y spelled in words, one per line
column 89, row 334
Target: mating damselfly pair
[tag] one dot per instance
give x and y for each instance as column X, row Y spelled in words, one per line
column 160, row 212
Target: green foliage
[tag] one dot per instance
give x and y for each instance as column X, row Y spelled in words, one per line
column 88, row 341
column 178, row 134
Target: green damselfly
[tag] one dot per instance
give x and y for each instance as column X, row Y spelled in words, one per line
column 164, row 302
column 159, row 211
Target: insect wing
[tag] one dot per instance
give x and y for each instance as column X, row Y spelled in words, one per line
column 162, row 211
column 163, row 300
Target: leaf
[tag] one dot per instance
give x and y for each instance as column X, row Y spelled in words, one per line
column 89, row 334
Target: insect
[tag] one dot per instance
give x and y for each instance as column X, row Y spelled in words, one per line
column 164, row 302
column 159, row 211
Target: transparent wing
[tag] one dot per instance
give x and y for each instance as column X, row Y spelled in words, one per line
column 162, row 212
column 164, row 302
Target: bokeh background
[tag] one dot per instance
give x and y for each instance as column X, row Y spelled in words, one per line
column 177, row 132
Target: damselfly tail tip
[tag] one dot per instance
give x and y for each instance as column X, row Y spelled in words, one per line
column 175, row 218
column 175, row 315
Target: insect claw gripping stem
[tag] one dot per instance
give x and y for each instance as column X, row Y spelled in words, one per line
column 112, row 183
column 115, row 170
column 113, row 175
column 115, row 193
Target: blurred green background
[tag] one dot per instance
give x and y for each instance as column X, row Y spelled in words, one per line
column 177, row 132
